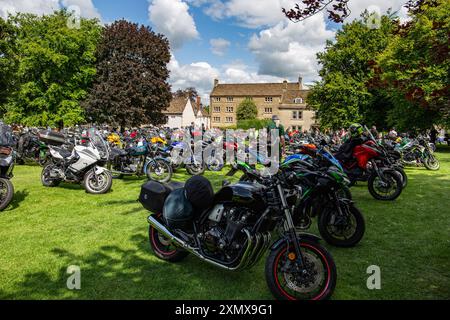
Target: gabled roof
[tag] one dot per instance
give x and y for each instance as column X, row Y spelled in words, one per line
column 177, row 105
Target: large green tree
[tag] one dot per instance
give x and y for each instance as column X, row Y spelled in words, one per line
column 56, row 65
column 8, row 60
column 343, row 96
column 247, row 110
column 415, row 67
column 131, row 86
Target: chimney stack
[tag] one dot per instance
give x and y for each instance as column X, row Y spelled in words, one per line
column 300, row 82
column 216, row 82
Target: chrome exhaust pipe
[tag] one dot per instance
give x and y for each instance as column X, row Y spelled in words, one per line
column 166, row 233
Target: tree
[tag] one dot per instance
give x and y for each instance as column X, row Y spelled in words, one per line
column 338, row 10
column 415, row 67
column 190, row 92
column 342, row 96
column 131, row 86
column 246, row 110
column 8, row 60
column 55, row 67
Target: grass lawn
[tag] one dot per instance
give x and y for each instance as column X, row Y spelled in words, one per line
column 46, row 230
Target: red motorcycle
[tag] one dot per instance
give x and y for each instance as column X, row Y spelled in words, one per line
column 368, row 164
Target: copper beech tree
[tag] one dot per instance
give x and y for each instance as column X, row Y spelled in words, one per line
column 130, row 87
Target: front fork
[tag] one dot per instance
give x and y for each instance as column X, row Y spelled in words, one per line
column 289, row 226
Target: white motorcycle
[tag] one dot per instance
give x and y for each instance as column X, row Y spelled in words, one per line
column 84, row 164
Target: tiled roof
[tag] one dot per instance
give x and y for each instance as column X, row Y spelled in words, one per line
column 290, row 95
column 177, row 105
column 253, row 89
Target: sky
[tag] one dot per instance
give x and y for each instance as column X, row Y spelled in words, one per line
column 235, row 41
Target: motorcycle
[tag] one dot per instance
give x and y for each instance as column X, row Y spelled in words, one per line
column 232, row 230
column 181, row 155
column 7, row 157
column 369, row 163
column 419, row 152
column 140, row 159
column 31, row 148
column 81, row 165
column 320, row 188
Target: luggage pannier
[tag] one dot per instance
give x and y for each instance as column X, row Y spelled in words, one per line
column 152, row 196
column 52, row 138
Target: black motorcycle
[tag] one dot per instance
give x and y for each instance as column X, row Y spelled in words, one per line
column 232, row 230
column 6, row 166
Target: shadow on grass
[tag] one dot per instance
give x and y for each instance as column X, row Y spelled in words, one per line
column 18, row 197
column 113, row 272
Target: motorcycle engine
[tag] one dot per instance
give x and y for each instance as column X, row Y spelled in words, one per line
column 222, row 235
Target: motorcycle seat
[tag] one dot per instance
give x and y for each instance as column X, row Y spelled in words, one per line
column 64, row 153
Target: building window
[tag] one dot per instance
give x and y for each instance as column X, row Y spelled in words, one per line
column 297, row 115
column 216, row 119
column 217, row 99
column 230, row 99
column 229, row 119
column 298, row 100
column 268, row 110
column 269, row 99
column 216, row 109
column 230, row 109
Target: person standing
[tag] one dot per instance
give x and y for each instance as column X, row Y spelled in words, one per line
column 276, row 124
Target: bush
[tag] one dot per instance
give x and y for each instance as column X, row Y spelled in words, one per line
column 253, row 124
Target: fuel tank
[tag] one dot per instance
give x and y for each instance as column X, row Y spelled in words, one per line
column 244, row 194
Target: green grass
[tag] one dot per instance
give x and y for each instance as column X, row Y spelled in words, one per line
column 45, row 230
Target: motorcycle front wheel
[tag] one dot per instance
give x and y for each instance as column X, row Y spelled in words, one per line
column 342, row 231
column 388, row 188
column 316, row 280
column 6, row 193
column 159, row 170
column 97, row 184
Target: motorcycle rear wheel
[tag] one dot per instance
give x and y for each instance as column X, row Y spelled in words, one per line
column 432, row 163
column 317, row 284
column 45, row 177
column 163, row 248
column 6, row 193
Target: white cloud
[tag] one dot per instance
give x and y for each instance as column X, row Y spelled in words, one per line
column 87, row 8
column 358, row 6
column 172, row 18
column 38, row 7
column 219, row 46
column 289, row 49
column 199, row 75
column 41, row 7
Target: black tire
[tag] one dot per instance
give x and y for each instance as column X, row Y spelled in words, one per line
column 6, row 193
column 345, row 193
column 345, row 232
column 316, row 257
column 154, row 170
column 431, row 163
column 46, row 180
column 403, row 176
column 196, row 170
column 90, row 185
column 163, row 249
column 394, row 184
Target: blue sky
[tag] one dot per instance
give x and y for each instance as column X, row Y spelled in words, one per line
column 235, row 41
